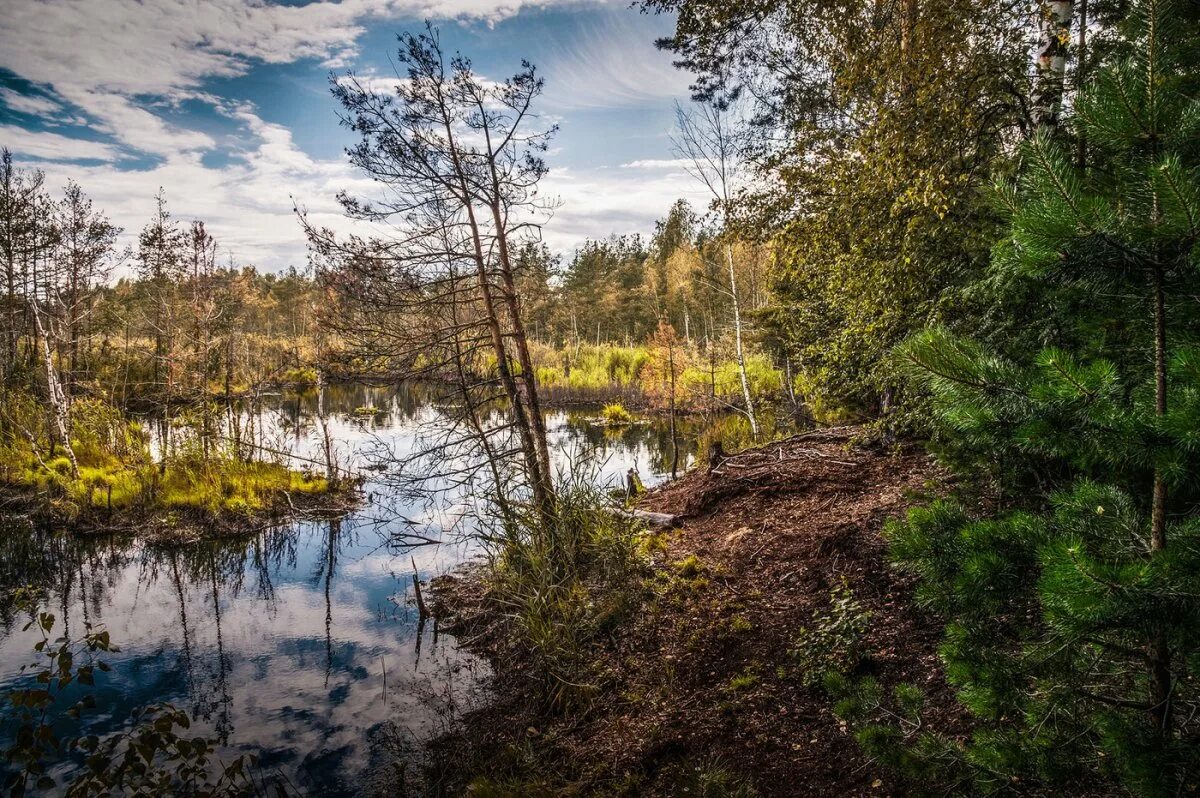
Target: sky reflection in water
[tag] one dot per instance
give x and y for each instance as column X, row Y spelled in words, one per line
column 297, row 644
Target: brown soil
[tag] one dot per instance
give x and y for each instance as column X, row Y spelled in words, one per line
column 772, row 531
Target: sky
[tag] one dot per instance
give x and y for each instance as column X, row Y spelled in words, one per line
column 225, row 105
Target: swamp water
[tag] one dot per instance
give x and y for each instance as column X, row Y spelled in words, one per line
column 298, row 644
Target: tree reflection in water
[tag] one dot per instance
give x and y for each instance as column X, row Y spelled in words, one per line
column 280, row 643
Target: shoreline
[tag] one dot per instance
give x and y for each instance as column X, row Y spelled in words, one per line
column 702, row 680
column 181, row 525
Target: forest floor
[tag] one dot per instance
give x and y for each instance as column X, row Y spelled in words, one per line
column 701, row 692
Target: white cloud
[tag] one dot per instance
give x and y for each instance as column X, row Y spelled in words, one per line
column 52, row 146
column 658, row 163
column 128, row 60
column 28, row 103
column 598, row 202
column 600, row 70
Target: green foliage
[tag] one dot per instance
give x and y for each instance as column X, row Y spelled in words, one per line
column 1073, row 609
column 615, row 413
column 560, row 586
column 834, row 641
column 117, row 475
column 870, row 157
column 890, row 730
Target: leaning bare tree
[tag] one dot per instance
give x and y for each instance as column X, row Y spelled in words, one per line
column 457, row 160
column 707, row 141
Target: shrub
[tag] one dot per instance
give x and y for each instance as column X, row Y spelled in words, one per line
column 833, row 642
column 615, row 413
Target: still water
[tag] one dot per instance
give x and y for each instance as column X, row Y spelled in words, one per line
column 298, row 644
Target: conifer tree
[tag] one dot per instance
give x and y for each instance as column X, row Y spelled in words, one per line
column 1073, row 614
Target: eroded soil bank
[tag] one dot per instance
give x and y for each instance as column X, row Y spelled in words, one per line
column 701, row 691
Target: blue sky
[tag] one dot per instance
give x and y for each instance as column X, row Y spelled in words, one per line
column 226, row 105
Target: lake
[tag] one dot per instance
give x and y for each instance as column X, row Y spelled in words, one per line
column 298, row 644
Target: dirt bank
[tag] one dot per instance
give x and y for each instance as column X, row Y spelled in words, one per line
column 702, row 687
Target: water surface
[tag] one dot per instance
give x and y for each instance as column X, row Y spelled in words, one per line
column 298, row 644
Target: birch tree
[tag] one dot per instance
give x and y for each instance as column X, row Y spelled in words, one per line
column 707, row 141
column 1050, row 64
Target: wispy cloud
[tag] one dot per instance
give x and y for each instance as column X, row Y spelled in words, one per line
column 49, row 146
column 31, row 104
column 611, row 66
column 658, row 163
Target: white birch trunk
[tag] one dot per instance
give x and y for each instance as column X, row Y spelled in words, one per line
column 1054, row 27
column 737, row 341
column 58, row 399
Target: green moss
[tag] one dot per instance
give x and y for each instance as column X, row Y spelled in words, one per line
column 301, row 375
column 690, row 567
column 740, row 623
column 115, row 474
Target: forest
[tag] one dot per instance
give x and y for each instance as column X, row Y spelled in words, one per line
column 875, row 472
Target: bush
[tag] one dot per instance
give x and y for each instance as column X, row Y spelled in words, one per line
column 561, row 586
column 615, row 413
column 834, row 641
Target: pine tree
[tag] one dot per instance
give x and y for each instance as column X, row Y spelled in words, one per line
column 1073, row 614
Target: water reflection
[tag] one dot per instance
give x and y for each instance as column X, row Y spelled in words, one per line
column 297, row 643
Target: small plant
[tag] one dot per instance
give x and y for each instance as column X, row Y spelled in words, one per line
column 743, row 681
column 713, row 779
column 615, row 413
column 561, row 586
column 890, row 731
column 834, row 641
column 740, row 623
column 690, row 567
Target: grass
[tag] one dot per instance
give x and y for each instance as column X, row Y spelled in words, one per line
column 561, row 586
column 608, row 367
column 118, row 478
column 615, row 413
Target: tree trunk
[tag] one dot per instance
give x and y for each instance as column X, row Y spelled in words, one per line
column 1054, row 27
column 1159, row 649
column 674, row 432
column 58, row 400
column 737, row 339
column 1080, row 76
column 528, row 372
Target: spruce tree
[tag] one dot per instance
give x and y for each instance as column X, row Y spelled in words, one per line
column 1073, row 603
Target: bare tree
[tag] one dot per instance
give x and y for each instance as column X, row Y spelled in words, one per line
column 87, row 254
column 160, row 265
column 457, row 159
column 707, row 140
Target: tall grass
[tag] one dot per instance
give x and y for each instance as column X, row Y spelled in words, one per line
column 608, row 373
column 118, row 476
column 561, row 585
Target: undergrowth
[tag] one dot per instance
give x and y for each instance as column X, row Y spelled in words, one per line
column 563, row 586
column 118, row 477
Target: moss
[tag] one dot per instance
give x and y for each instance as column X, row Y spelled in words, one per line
column 122, row 478
column 739, row 623
column 301, row 375
column 651, row 543
column 690, row 567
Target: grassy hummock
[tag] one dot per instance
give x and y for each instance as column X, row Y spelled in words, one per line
column 118, row 485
